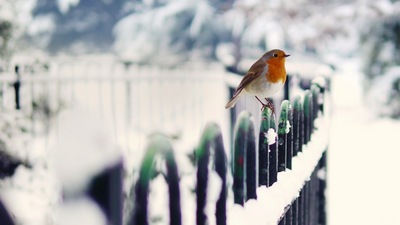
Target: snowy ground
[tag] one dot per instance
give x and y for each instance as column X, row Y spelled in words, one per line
column 363, row 160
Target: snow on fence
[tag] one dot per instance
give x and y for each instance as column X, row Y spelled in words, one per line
column 278, row 173
column 283, row 183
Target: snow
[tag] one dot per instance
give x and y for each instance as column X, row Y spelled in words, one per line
column 65, row 5
column 79, row 149
column 288, row 126
column 204, row 13
column 225, row 53
column 83, row 148
column 44, row 23
column 158, row 201
column 15, row 137
column 271, row 136
column 43, row 26
column 31, row 195
column 380, row 93
column 362, row 161
column 83, row 211
column 188, row 200
column 150, row 32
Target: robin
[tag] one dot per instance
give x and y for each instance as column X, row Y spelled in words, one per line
column 264, row 78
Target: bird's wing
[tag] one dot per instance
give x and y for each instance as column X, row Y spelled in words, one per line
column 254, row 71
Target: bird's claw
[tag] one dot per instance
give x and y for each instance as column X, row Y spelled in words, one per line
column 269, row 104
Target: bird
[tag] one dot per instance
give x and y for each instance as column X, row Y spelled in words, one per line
column 264, row 78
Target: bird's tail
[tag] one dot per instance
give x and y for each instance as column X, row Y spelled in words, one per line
column 233, row 101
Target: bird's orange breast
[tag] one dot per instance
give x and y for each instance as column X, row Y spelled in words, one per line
column 276, row 71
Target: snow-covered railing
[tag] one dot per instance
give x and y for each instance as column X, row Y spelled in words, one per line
column 283, row 183
column 278, row 173
column 286, row 192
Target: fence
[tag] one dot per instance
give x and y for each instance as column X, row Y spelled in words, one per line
column 275, row 154
column 280, row 151
column 182, row 95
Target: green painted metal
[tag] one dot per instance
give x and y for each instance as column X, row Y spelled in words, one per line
column 297, row 125
column 307, row 102
column 158, row 146
column 263, row 148
column 316, row 91
column 267, row 151
column 283, row 130
column 211, row 140
column 244, row 126
column 283, row 118
column 211, row 132
column 308, row 115
column 267, row 155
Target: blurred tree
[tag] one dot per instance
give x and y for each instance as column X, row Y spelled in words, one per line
column 14, row 15
column 382, row 40
column 382, row 64
column 78, row 27
column 6, row 29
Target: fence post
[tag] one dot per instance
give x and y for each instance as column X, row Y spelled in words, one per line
column 268, row 155
column 232, row 115
column 321, row 189
column 17, row 86
column 286, row 92
column 272, row 149
column 289, row 146
column 308, row 115
column 264, row 147
column 315, row 90
column 297, row 111
column 106, row 189
column 5, row 217
column 322, row 87
column 211, row 140
column 251, row 162
column 284, row 154
column 158, row 145
column 244, row 181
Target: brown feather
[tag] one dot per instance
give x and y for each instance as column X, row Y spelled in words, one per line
column 254, row 71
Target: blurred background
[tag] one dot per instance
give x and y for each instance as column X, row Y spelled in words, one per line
column 121, row 70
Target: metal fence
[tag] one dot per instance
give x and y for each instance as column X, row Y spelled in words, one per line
column 135, row 101
column 294, row 129
column 256, row 159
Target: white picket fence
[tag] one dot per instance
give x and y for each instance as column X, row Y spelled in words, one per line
column 137, row 101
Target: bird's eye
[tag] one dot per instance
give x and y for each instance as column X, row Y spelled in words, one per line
column 275, row 55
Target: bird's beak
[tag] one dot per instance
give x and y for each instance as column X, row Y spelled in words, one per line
column 286, row 56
